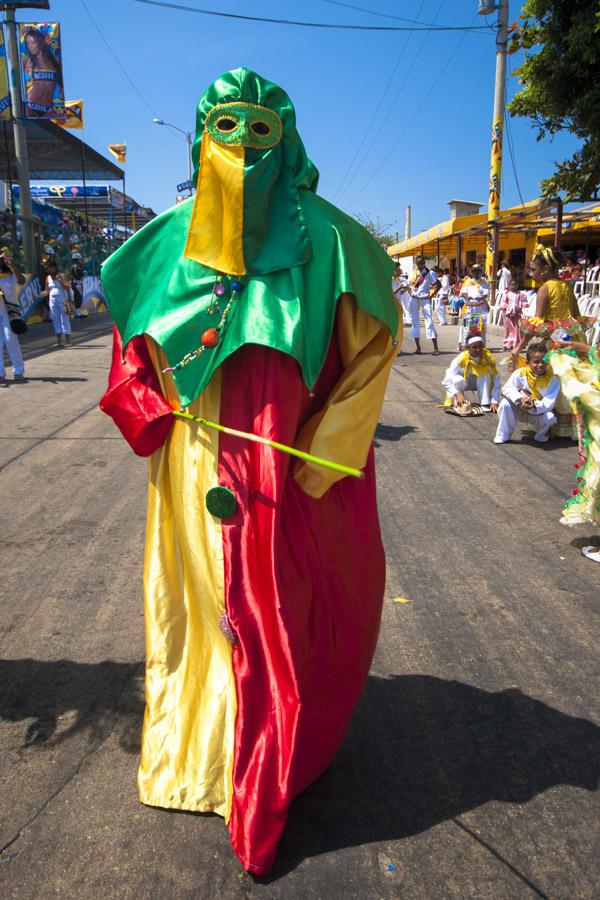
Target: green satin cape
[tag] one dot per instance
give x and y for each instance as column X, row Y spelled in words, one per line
column 152, row 289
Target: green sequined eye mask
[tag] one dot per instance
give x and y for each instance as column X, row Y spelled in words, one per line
column 244, row 125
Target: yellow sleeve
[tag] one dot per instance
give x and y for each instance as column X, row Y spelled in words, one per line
column 343, row 429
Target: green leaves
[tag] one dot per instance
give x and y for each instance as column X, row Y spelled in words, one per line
column 560, row 78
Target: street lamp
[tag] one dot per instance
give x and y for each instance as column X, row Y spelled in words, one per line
column 188, row 140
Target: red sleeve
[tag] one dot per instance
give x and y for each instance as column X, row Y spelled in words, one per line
column 134, row 399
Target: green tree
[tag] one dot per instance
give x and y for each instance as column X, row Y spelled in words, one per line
column 560, row 91
column 379, row 230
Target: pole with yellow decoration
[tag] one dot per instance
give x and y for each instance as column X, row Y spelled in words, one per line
column 491, row 254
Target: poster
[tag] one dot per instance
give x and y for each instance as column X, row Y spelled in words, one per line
column 41, row 65
column 73, row 115
column 5, row 110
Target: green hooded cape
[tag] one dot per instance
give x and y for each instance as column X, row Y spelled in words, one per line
column 301, row 253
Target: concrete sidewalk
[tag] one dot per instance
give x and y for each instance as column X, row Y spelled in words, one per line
column 472, row 765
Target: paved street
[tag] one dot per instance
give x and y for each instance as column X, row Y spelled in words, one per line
column 472, row 766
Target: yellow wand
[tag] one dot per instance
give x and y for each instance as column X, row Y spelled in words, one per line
column 308, row 457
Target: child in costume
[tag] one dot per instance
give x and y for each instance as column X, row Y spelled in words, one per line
column 474, row 291
column 473, row 370
column 530, row 395
column 259, row 306
column 512, row 301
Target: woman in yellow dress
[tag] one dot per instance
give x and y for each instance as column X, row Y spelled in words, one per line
column 555, row 309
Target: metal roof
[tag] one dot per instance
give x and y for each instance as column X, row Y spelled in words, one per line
column 55, row 154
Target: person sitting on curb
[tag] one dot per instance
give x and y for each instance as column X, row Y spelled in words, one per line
column 473, row 370
column 530, row 395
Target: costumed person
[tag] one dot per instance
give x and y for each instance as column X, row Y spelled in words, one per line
column 77, row 275
column 577, row 365
column 443, row 297
column 261, row 308
column 555, row 310
column 529, row 396
column 512, row 302
column 56, row 290
column 421, row 285
column 474, row 292
column 472, row 370
column 10, row 316
column 402, row 294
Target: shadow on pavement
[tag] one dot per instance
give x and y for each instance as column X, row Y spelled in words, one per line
column 66, row 697
column 52, row 379
column 392, row 432
column 420, row 750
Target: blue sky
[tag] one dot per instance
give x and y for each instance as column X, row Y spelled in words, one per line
column 336, row 80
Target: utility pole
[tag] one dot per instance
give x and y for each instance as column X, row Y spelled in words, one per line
column 20, row 139
column 491, row 255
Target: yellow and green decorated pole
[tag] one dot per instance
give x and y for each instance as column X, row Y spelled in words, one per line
column 491, row 255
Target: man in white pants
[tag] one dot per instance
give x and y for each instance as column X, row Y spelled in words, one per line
column 530, row 395
column 422, row 283
column 442, row 297
column 10, row 277
column 473, row 370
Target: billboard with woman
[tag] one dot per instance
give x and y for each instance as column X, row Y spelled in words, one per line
column 41, row 62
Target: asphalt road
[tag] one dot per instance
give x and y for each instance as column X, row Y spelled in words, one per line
column 472, row 765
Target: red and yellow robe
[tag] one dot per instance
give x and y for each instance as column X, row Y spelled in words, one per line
column 241, row 728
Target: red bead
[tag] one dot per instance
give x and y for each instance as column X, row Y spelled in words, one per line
column 210, row 338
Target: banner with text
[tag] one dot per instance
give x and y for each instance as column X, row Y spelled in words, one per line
column 73, row 115
column 41, row 64
column 5, row 110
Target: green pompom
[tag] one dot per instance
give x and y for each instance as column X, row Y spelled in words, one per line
column 221, row 502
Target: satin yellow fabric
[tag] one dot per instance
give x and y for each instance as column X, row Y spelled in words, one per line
column 215, row 236
column 343, row 430
column 188, row 735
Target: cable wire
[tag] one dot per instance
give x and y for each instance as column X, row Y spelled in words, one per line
column 509, row 135
column 413, row 119
column 372, row 12
column 409, row 70
column 225, row 15
column 118, row 62
column 340, row 189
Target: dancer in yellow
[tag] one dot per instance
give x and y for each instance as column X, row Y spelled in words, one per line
column 578, row 367
column 556, row 308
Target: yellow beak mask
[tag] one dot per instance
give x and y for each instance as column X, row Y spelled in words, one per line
column 247, row 217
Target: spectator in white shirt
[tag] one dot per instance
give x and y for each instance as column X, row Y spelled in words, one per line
column 423, row 284
column 10, row 277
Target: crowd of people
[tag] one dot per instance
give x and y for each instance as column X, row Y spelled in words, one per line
column 553, row 371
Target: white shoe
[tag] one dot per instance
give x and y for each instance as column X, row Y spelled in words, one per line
column 592, row 553
column 498, row 440
column 542, row 439
column 486, row 408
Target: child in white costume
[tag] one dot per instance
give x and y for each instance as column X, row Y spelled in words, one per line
column 530, row 395
column 473, row 370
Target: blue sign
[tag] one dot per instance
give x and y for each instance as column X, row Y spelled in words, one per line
column 65, row 191
column 185, row 186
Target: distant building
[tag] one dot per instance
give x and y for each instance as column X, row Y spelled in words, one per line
column 463, row 208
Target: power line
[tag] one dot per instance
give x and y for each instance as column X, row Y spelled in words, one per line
column 413, row 119
column 118, row 62
column 224, row 15
column 341, row 188
column 510, row 140
column 409, row 70
column 371, row 12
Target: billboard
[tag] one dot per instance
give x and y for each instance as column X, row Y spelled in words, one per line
column 41, row 65
column 4, row 92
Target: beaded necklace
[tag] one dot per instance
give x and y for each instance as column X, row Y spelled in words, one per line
column 211, row 337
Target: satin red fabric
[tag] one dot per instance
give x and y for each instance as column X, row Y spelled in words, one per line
column 304, row 584
column 134, row 399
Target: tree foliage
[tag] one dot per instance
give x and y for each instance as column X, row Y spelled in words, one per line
column 560, row 91
column 380, row 230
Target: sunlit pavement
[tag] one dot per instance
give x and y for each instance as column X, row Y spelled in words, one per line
column 473, row 757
